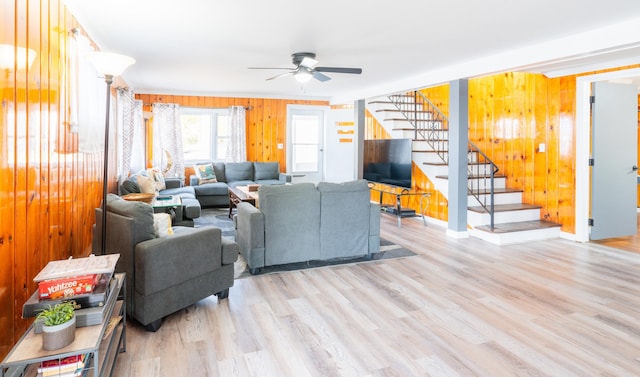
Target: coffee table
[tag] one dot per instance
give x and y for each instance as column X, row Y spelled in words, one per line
column 171, row 205
column 241, row 194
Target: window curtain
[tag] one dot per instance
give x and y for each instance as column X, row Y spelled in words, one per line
column 131, row 131
column 167, row 140
column 237, row 147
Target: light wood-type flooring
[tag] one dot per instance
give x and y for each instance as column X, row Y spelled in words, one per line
column 459, row 308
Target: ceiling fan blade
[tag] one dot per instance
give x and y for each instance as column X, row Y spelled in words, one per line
column 281, row 75
column 320, row 77
column 339, row 70
column 308, row 62
column 268, row 68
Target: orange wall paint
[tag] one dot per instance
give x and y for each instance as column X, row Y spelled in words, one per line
column 266, row 121
column 48, row 192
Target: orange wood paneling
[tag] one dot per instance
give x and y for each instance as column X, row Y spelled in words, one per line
column 266, row 120
column 48, row 192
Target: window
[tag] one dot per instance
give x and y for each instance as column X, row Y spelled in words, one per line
column 205, row 133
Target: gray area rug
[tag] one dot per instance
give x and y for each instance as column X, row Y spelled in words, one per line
column 219, row 217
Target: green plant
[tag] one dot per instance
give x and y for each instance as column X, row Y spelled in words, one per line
column 57, row 314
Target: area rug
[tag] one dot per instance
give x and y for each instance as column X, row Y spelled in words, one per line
column 219, row 217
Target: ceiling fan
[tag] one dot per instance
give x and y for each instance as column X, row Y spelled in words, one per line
column 306, row 69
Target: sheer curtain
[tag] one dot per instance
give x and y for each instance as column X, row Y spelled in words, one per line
column 167, row 140
column 131, row 130
column 237, row 147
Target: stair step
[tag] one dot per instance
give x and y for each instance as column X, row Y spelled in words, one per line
column 444, row 164
column 499, row 191
column 520, row 226
column 506, row 207
column 400, row 111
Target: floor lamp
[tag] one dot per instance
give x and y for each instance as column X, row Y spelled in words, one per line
column 109, row 65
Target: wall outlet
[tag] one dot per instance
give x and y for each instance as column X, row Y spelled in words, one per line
column 542, row 148
column 280, row 146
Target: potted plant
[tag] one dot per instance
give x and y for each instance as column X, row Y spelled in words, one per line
column 59, row 325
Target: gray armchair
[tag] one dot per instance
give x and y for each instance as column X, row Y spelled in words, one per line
column 164, row 274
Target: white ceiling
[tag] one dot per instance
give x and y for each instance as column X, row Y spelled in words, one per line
column 204, row 47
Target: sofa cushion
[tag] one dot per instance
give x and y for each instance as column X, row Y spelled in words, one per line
column 211, row 189
column 240, row 183
column 265, row 170
column 141, row 213
column 239, row 171
column 344, row 223
column 290, row 218
column 269, row 182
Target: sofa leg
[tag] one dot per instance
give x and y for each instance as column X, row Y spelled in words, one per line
column 154, row 326
column 223, row 294
column 254, row 271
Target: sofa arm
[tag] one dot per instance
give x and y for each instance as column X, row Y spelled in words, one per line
column 172, row 183
column 168, row 261
column 230, row 251
column 286, row 178
column 374, row 228
column 250, row 234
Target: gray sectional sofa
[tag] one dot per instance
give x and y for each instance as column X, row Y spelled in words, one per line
column 235, row 174
column 190, row 209
column 303, row 222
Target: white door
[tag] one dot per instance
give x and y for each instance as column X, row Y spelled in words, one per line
column 305, row 125
column 614, row 173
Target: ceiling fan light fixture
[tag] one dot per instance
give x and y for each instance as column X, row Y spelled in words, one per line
column 303, row 75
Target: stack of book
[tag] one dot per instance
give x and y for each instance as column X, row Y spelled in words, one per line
column 86, row 281
column 70, row 366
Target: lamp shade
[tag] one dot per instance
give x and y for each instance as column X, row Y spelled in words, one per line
column 19, row 57
column 303, row 75
column 108, row 63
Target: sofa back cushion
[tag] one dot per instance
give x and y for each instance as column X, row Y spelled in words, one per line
column 141, row 213
column 266, row 170
column 238, row 171
column 291, row 222
column 344, row 224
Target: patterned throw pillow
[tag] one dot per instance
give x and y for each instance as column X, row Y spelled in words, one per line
column 205, row 173
column 158, row 179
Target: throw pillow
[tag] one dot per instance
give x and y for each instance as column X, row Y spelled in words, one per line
column 205, row 173
column 147, row 184
column 158, row 178
column 162, row 224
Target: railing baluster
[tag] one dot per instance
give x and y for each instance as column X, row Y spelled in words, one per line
column 424, row 124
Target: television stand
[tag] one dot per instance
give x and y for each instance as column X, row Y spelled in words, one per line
column 397, row 209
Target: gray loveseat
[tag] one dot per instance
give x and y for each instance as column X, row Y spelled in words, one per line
column 164, row 274
column 235, row 174
column 302, row 222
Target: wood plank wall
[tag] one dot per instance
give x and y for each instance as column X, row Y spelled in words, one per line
column 266, row 121
column 48, row 192
column 437, row 206
column 510, row 115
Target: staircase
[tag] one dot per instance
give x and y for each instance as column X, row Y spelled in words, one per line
column 495, row 213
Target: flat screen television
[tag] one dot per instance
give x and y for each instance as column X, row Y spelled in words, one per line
column 388, row 161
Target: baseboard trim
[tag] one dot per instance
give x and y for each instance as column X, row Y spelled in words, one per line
column 457, row 235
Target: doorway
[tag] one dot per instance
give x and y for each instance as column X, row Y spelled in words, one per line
column 583, row 143
column 305, row 130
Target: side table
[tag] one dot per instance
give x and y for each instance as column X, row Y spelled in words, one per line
column 102, row 351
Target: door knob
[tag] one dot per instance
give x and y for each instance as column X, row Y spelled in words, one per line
column 634, row 168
